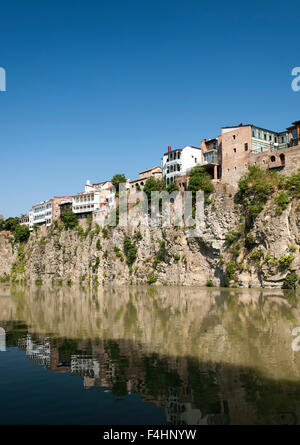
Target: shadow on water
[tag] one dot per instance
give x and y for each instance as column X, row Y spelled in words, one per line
column 198, row 356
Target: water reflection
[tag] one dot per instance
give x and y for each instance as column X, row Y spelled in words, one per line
column 205, row 356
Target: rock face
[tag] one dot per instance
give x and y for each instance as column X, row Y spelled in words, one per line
column 163, row 255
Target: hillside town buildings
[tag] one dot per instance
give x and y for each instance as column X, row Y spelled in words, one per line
column 138, row 184
column 179, row 162
column 225, row 157
column 239, row 147
column 43, row 213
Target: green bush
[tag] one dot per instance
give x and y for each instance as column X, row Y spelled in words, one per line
column 290, row 281
column 151, row 278
column 209, row 283
column 200, row 180
column 285, row 261
column 98, row 245
column 282, row 202
column 118, row 253
column 117, row 180
column 21, row 233
column 138, row 236
column 161, row 255
column 230, row 270
column 255, row 188
column 130, row 251
column 231, row 237
column 172, row 187
column 153, row 185
column 69, row 219
column 9, row 224
column 96, row 265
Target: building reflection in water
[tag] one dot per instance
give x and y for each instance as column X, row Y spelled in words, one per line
column 2, row 340
column 205, row 356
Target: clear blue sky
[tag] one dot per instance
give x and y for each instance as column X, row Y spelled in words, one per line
column 102, row 87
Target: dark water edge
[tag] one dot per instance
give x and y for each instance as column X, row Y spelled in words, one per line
column 149, row 355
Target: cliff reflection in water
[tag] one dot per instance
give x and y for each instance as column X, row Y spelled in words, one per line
column 207, row 356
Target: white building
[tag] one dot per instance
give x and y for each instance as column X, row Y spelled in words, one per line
column 24, row 220
column 39, row 352
column 98, row 198
column 179, row 161
column 85, row 365
column 41, row 213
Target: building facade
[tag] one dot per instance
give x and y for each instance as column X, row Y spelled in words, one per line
column 179, row 162
column 240, row 146
column 96, row 199
column 138, row 184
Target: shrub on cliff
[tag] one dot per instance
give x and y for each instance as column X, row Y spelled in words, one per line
column 21, row 233
column 153, row 185
column 9, row 223
column 255, row 188
column 173, row 187
column 290, row 281
column 200, row 180
column 69, row 219
column 130, row 251
column 117, row 180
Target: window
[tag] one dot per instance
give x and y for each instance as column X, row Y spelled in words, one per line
column 265, row 137
column 282, row 140
column 246, row 146
column 195, row 160
column 253, row 133
column 233, row 137
column 275, row 139
column 234, row 150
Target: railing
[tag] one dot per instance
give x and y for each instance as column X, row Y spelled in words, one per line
column 292, row 143
column 211, row 158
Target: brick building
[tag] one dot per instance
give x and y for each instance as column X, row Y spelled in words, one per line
column 228, row 156
column 138, row 184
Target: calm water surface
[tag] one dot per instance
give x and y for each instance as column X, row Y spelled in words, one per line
column 148, row 355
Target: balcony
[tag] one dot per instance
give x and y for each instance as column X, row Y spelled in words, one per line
column 211, row 157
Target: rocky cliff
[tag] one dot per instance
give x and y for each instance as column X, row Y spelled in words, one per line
column 264, row 255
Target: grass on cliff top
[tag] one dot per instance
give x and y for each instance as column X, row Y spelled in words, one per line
column 257, row 186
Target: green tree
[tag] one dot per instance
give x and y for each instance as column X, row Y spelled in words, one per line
column 153, row 185
column 130, row 251
column 117, row 180
column 10, row 223
column 69, row 219
column 200, row 180
column 21, row 233
column 172, row 187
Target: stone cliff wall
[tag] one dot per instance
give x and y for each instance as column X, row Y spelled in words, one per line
column 163, row 256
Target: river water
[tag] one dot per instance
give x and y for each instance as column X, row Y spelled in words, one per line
column 149, row 355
